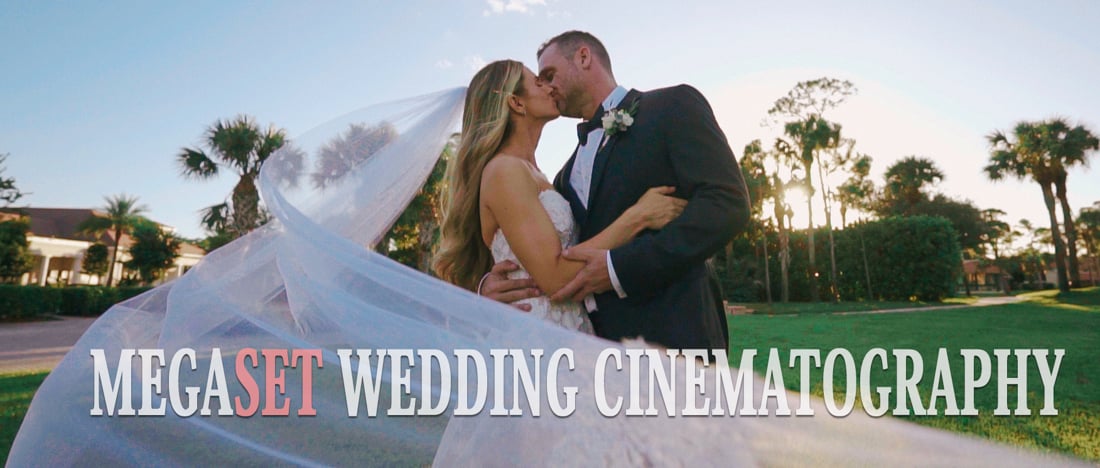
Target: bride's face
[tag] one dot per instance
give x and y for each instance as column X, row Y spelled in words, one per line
column 538, row 97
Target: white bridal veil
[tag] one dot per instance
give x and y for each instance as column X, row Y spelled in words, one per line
column 308, row 280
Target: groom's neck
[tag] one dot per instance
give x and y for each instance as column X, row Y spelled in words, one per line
column 598, row 90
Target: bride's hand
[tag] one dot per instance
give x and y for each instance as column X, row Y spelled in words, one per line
column 657, row 208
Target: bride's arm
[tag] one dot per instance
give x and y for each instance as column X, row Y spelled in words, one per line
column 653, row 211
column 512, row 196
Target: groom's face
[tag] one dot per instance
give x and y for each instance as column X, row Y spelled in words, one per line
column 563, row 77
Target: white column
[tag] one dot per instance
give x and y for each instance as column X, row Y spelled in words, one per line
column 78, row 265
column 44, row 271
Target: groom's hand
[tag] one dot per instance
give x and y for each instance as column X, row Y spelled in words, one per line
column 592, row 279
column 498, row 287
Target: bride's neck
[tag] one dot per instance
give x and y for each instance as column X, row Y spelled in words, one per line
column 523, row 140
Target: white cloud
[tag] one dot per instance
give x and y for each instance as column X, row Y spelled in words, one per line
column 515, row 6
column 475, row 62
column 444, row 64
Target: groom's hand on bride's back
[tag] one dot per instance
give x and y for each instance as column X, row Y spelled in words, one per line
column 594, row 278
column 498, row 287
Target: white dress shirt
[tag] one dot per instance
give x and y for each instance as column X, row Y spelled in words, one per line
column 581, row 180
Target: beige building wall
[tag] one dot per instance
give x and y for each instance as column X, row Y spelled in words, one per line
column 60, row 261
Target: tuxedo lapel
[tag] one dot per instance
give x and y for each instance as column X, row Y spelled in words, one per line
column 564, row 187
column 599, row 165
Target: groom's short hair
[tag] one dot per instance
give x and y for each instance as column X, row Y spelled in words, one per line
column 568, row 42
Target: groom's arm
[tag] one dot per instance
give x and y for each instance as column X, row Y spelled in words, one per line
column 718, row 204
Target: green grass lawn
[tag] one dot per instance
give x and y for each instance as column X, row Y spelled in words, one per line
column 800, row 308
column 1046, row 321
column 16, row 391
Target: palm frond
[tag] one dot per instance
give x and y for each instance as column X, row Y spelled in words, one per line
column 195, row 164
column 94, row 226
column 234, row 141
column 216, row 217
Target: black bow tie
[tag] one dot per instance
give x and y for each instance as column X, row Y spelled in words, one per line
column 586, row 127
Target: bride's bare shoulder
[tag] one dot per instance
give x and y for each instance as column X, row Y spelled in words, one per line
column 507, row 174
column 505, row 162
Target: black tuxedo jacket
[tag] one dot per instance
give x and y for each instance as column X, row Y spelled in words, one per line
column 673, row 298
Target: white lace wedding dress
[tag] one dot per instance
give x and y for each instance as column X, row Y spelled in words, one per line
column 570, row 315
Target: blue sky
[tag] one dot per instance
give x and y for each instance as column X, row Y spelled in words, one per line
column 96, row 98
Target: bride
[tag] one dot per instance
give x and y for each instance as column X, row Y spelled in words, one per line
column 500, row 206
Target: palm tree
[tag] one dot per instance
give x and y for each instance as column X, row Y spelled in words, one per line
column 8, row 191
column 241, row 146
column 907, row 179
column 759, row 183
column 806, row 104
column 1028, row 156
column 784, row 155
column 122, row 214
column 1034, row 256
column 810, row 136
column 350, row 149
column 412, row 238
column 995, row 232
column 1068, row 147
column 840, row 160
column 857, row 190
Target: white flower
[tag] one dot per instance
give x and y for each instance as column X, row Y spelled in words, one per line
column 616, row 120
column 608, row 121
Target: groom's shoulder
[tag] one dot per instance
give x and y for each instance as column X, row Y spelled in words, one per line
column 679, row 96
column 680, row 90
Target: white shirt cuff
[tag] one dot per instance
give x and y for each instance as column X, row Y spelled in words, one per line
column 614, row 279
column 590, row 303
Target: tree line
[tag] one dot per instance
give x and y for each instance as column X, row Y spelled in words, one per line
column 813, row 146
column 811, row 151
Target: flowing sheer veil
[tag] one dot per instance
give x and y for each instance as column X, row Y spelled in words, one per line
column 309, row 280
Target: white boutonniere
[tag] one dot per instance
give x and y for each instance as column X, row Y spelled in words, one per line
column 618, row 120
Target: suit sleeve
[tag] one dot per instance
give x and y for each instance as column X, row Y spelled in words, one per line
column 718, row 204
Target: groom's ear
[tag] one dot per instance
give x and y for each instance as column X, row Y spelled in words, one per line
column 583, row 57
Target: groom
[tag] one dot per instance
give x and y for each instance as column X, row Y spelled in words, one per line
column 659, row 286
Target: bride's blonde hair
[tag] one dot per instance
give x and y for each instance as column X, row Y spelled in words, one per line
column 462, row 257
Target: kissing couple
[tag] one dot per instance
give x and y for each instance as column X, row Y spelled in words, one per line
column 619, row 241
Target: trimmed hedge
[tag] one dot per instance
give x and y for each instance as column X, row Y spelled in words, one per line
column 85, row 301
column 28, row 301
column 914, row 257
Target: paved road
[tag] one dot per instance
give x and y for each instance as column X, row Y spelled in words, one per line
column 41, row 345
column 30, row 346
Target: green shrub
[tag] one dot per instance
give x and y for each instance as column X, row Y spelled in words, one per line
column 74, row 301
column 128, row 292
column 92, row 301
column 18, row 302
column 15, row 256
column 914, row 257
column 28, row 301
